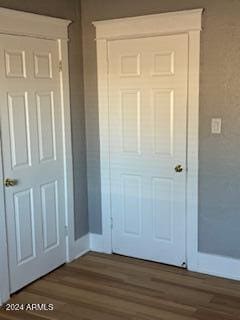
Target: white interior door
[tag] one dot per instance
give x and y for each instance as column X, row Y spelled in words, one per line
column 148, row 109
column 31, row 134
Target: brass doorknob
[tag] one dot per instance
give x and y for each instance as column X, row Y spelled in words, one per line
column 179, row 168
column 10, row 182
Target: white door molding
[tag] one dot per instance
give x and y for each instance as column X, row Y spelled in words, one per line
column 14, row 22
column 149, row 25
column 4, row 272
column 188, row 22
column 33, row 25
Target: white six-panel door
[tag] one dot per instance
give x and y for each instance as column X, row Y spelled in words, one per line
column 31, row 134
column 148, row 112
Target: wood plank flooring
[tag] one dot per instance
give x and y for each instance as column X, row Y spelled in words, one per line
column 111, row 287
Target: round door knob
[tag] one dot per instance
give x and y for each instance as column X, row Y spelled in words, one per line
column 179, row 168
column 10, row 182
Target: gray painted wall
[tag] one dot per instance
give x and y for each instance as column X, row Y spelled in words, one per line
column 69, row 9
column 219, row 185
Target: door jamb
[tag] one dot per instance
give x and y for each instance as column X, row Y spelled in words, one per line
column 188, row 22
column 20, row 23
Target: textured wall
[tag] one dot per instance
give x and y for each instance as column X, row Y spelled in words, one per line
column 69, row 9
column 219, row 185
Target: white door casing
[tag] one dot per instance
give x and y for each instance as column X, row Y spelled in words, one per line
column 173, row 23
column 37, row 60
column 147, row 117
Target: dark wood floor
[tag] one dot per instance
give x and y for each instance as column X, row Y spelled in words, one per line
column 111, row 287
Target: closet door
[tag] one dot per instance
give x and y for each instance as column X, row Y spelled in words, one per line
column 32, row 135
column 148, row 112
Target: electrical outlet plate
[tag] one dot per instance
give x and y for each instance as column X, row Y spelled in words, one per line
column 216, row 125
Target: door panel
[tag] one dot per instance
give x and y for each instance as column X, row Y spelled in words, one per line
column 148, row 107
column 43, row 65
column 25, row 226
column 18, row 113
column 162, row 208
column 132, row 204
column 163, row 105
column 50, row 214
column 31, row 127
column 15, row 63
column 46, row 125
column 130, row 105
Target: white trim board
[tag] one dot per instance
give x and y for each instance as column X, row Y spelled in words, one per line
column 4, row 274
column 30, row 24
column 149, row 25
column 96, row 242
column 81, row 246
column 188, row 22
column 19, row 23
column 215, row 265
column 219, row 266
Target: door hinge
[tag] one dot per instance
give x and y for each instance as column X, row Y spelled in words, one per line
column 60, row 66
column 66, row 231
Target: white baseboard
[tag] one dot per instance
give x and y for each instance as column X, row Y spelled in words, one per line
column 219, row 266
column 4, row 297
column 96, row 242
column 90, row 241
column 210, row 264
column 81, row 246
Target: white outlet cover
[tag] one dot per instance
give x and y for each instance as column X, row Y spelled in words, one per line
column 216, row 125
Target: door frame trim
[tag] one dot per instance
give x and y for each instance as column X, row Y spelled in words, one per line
column 20, row 23
column 188, row 22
